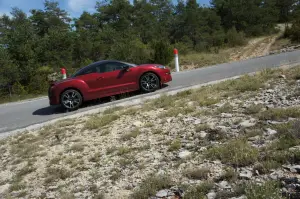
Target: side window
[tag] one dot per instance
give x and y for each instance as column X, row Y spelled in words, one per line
column 113, row 66
column 88, row 70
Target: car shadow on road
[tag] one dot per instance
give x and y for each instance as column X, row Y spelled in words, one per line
column 52, row 110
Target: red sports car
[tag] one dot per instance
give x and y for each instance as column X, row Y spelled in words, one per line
column 107, row 78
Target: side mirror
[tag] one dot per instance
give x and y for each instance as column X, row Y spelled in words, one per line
column 126, row 67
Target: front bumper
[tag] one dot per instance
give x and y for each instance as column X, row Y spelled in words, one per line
column 53, row 99
column 166, row 78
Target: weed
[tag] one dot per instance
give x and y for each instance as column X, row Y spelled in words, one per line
column 202, row 127
column 77, row 147
column 175, row 111
column 54, row 173
column 26, row 149
column 96, row 157
column 198, row 191
column 269, row 189
column 253, row 109
column 130, row 135
column 175, row 145
column 25, row 170
column 112, row 110
column 99, row 196
column 131, row 111
column 236, row 152
column 65, row 123
column 216, row 134
column 105, row 132
column 163, row 102
column 279, row 114
column 67, row 196
column 116, row 174
column 266, row 166
column 17, row 186
column 150, row 186
column 198, row 174
column 124, row 162
column 96, row 122
column 123, row 150
column 281, row 157
column 157, row 131
column 183, row 94
column 149, row 125
column 226, row 108
column 110, row 150
column 229, row 175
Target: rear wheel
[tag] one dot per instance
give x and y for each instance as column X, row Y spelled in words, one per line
column 71, row 99
column 149, row 82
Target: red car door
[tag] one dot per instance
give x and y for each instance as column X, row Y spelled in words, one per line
column 117, row 80
column 94, row 80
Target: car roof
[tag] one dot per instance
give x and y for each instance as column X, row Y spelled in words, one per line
column 105, row 61
column 100, row 62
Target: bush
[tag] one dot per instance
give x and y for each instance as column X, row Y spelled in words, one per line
column 294, row 32
column 162, row 52
column 234, row 38
column 39, row 81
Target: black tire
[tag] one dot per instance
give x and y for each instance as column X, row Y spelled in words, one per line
column 73, row 102
column 149, row 82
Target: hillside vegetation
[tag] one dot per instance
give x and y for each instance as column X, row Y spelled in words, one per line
column 36, row 45
column 236, row 139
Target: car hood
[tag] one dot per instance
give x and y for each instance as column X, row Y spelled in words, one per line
column 61, row 81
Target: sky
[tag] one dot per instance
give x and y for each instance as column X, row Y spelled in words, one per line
column 74, row 7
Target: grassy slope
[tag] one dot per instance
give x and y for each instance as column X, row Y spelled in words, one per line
column 94, row 154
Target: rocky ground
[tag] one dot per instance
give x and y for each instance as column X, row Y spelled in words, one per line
column 238, row 139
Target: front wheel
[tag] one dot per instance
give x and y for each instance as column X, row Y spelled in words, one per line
column 71, row 99
column 149, row 82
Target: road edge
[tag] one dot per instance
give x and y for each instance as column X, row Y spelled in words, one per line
column 130, row 102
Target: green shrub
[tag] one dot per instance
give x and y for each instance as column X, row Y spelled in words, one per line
column 163, row 53
column 234, row 38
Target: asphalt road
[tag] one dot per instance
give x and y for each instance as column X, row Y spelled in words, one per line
column 22, row 114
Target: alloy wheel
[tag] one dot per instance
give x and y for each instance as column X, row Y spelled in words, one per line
column 149, row 82
column 71, row 99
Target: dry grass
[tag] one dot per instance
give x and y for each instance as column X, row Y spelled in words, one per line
column 279, row 113
column 254, row 109
column 269, row 189
column 96, row 122
column 236, row 153
column 280, row 43
column 198, row 191
column 198, row 174
column 229, row 175
column 132, row 134
column 55, row 173
column 175, row 145
column 150, row 186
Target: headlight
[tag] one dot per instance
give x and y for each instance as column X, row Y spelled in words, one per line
column 162, row 67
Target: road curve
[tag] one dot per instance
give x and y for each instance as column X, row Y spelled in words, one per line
column 22, row 114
